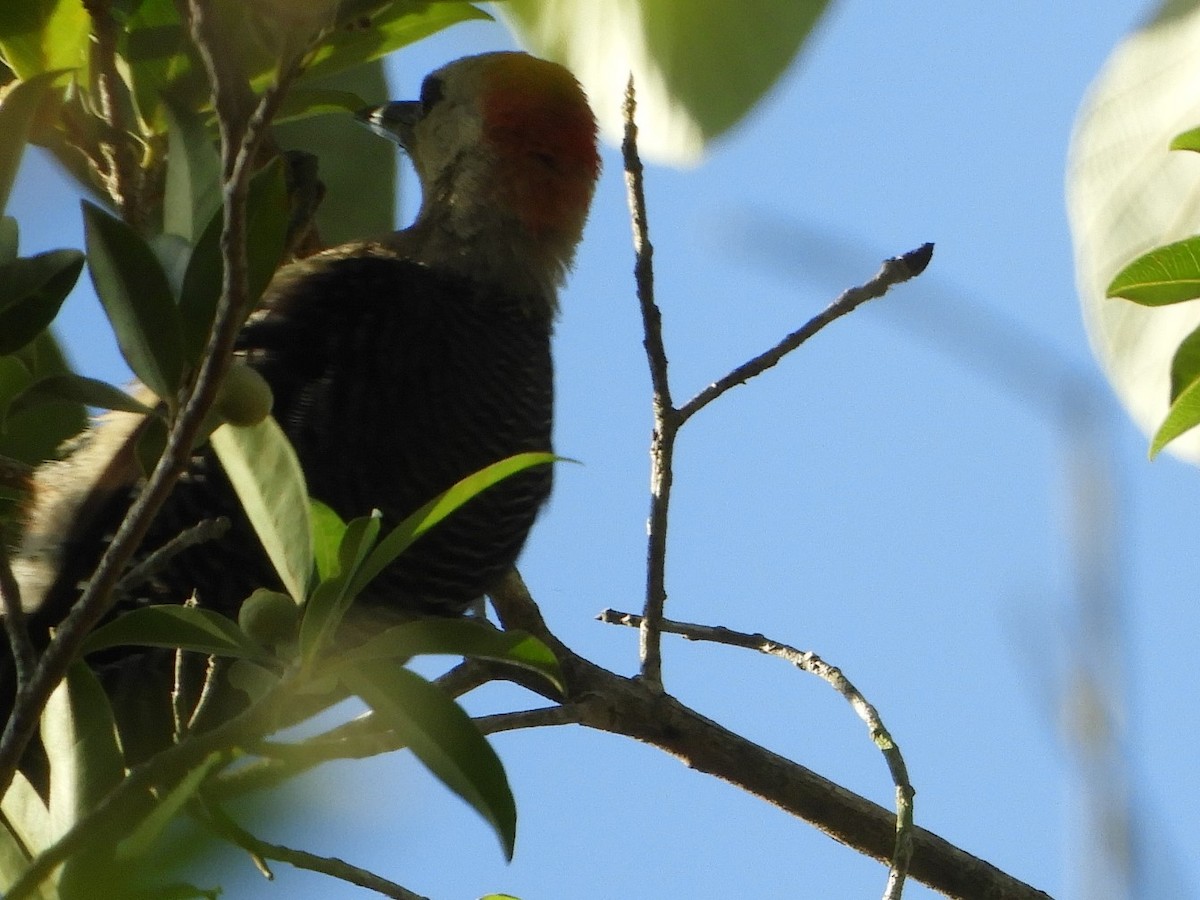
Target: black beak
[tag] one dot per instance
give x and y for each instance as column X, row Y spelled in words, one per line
column 394, row 121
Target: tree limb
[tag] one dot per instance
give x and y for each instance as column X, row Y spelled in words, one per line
column 619, row 705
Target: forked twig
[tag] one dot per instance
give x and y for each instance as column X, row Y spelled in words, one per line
column 667, row 418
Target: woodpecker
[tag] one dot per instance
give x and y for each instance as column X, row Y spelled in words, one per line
column 397, row 365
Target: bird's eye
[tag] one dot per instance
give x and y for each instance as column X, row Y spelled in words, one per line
column 431, row 93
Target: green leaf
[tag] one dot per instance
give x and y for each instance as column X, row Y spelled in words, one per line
column 443, row 737
column 14, row 860
column 699, row 68
column 36, row 434
column 41, row 35
column 1168, row 274
column 156, row 49
column 76, row 389
column 303, row 104
column 1188, row 140
column 346, row 150
column 185, row 627
column 327, row 606
column 328, row 531
column 151, row 443
column 26, row 817
column 17, row 111
column 139, row 842
column 9, row 237
column 264, row 471
column 1185, row 364
column 81, row 746
column 33, row 290
column 458, row 637
column 193, row 189
column 401, row 23
column 1183, row 416
column 137, row 299
column 402, row 536
column 1126, row 194
column 266, row 233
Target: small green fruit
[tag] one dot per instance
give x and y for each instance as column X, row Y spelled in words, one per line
column 245, row 397
column 269, row 617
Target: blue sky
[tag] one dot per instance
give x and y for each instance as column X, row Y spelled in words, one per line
column 895, row 496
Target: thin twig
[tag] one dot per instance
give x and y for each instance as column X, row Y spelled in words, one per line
column 807, row 661
column 894, row 271
column 662, row 443
column 261, row 850
column 208, row 690
column 24, row 658
column 202, row 532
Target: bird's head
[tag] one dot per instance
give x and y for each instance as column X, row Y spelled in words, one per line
column 504, row 145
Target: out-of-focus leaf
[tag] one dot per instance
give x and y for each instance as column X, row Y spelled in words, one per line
column 458, row 637
column 186, row 627
column 328, row 531
column 136, row 296
column 17, row 109
column 36, row 435
column 401, row 537
column 263, row 469
column 77, row 389
column 9, row 238
column 400, row 24
column 14, row 860
column 156, row 49
column 1165, row 275
column 346, row 150
column 698, row 68
column 42, row 35
column 443, row 737
column 81, row 745
column 1188, row 140
column 139, row 841
column 266, row 233
column 1185, row 367
column 301, row 104
column 193, row 189
column 26, row 817
column 151, row 442
column 267, row 212
column 31, row 291
column 1127, row 194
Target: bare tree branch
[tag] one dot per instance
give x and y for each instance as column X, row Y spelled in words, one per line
column 662, row 443
column 807, row 661
column 619, row 705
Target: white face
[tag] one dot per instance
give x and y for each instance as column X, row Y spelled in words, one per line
column 450, row 126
